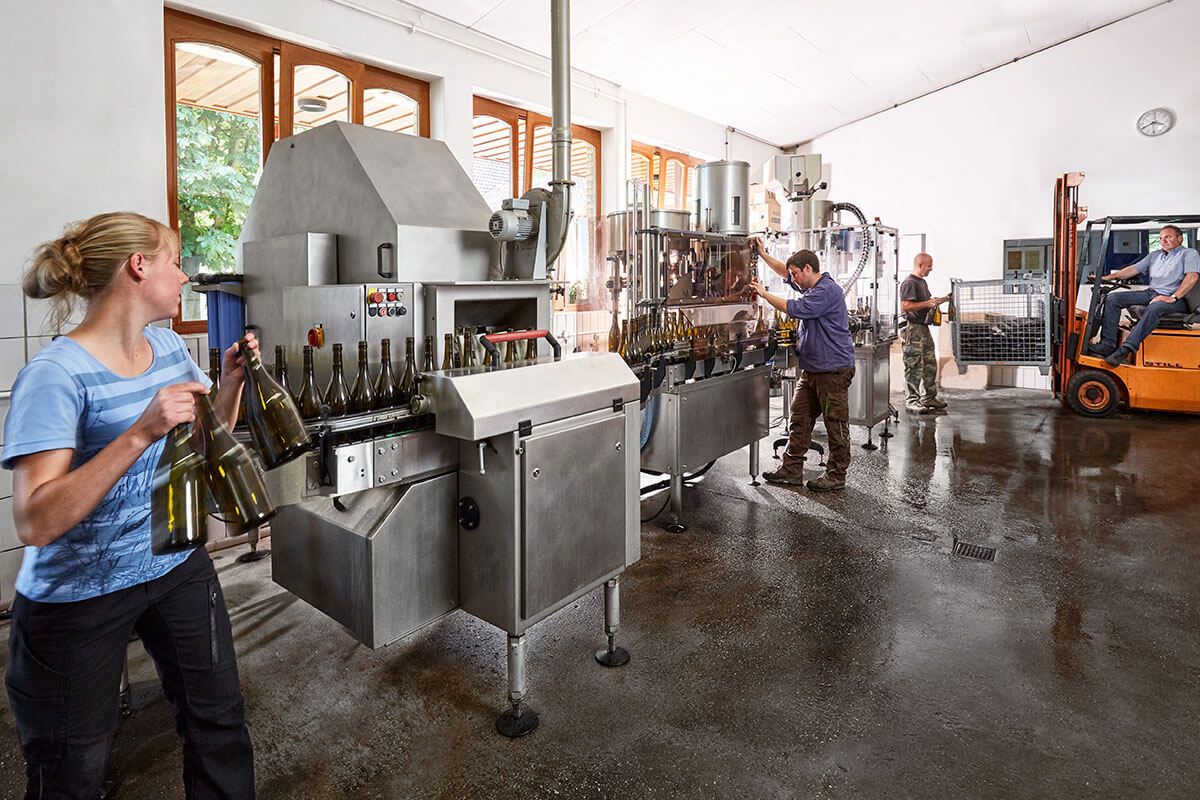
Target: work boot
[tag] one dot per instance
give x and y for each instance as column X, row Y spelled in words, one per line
column 785, row 476
column 826, row 483
column 917, row 407
column 935, row 403
column 1121, row 356
column 1103, row 349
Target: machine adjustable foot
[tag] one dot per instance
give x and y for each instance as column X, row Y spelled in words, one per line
column 612, row 656
column 887, row 434
column 254, row 553
column 754, row 463
column 519, row 719
column 676, row 525
column 870, row 445
column 516, row 721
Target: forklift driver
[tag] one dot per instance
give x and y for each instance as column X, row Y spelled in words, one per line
column 1172, row 272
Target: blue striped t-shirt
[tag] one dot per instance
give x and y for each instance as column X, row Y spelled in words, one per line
column 65, row 399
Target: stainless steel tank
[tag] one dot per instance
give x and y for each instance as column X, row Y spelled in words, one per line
column 671, row 219
column 619, row 231
column 723, row 197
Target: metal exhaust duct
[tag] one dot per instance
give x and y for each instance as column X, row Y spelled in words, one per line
column 560, row 120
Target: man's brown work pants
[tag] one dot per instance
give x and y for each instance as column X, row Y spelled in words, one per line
column 826, row 394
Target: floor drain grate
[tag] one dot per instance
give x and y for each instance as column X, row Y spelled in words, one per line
column 977, row 552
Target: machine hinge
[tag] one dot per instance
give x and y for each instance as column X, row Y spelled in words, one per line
column 618, row 406
column 524, row 428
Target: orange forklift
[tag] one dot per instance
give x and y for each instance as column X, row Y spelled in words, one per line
column 1165, row 373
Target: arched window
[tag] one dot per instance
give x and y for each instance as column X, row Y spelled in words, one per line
column 230, row 94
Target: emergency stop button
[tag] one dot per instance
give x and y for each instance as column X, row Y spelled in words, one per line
column 377, row 297
column 316, row 336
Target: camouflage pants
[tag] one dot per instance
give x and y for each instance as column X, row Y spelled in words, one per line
column 826, row 394
column 920, row 363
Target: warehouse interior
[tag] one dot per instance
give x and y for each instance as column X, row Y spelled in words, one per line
column 563, row 209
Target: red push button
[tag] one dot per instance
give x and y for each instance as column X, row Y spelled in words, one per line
column 377, row 297
column 316, row 337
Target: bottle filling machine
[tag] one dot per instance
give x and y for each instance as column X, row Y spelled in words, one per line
column 474, row 494
column 694, row 336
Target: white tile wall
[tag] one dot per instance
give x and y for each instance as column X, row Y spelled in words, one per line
column 36, row 343
column 10, row 565
column 8, row 528
column 37, row 317
column 12, row 311
column 12, row 358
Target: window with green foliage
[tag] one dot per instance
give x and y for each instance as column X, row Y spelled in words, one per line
column 219, row 164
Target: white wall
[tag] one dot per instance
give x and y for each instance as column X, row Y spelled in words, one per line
column 975, row 164
column 91, row 132
column 448, row 55
column 84, row 118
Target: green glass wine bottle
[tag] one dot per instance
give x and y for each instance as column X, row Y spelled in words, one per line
column 337, row 396
column 233, row 478
column 276, row 428
column 385, row 384
column 177, row 495
column 281, row 371
column 310, row 395
column 214, row 367
column 362, row 396
column 408, row 382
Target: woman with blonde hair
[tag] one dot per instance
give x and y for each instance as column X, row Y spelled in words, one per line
column 85, row 428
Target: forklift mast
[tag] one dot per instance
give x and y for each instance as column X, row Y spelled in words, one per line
column 1067, row 216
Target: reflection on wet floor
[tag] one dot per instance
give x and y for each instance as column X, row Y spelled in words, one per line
column 788, row 644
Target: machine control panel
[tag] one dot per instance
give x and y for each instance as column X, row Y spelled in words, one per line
column 386, row 301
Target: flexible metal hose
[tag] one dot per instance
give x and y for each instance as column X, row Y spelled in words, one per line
column 868, row 246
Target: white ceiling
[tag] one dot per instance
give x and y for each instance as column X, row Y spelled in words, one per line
column 788, row 70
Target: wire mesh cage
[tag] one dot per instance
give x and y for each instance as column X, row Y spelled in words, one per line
column 1002, row 323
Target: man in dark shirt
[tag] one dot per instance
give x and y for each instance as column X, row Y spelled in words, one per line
column 825, row 354
column 920, row 358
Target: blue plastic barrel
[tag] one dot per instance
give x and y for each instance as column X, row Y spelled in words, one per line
column 226, row 316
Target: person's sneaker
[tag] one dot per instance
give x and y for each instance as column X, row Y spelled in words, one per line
column 826, row 483
column 786, row 477
column 917, row 407
column 934, row 402
column 1121, row 356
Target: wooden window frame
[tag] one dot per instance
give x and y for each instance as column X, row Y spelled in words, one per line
column 418, row 90
column 522, row 180
column 181, row 27
column 292, row 56
column 657, row 182
column 486, row 107
column 178, row 28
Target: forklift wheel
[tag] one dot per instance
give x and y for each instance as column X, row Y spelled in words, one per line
column 1093, row 393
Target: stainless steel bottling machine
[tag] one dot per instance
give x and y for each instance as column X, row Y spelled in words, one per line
column 693, row 333
column 472, row 493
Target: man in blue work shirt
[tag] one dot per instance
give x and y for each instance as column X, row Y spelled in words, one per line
column 1172, row 270
column 825, row 354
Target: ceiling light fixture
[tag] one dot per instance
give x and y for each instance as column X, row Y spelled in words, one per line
column 313, row 104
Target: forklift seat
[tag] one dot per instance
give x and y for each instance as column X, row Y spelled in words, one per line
column 1189, row 317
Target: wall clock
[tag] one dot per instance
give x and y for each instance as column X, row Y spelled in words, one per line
column 1156, row 122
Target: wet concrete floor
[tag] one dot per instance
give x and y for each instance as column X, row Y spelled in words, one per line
column 787, row 644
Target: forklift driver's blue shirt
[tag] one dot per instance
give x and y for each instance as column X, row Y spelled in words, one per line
column 823, row 341
column 1166, row 270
